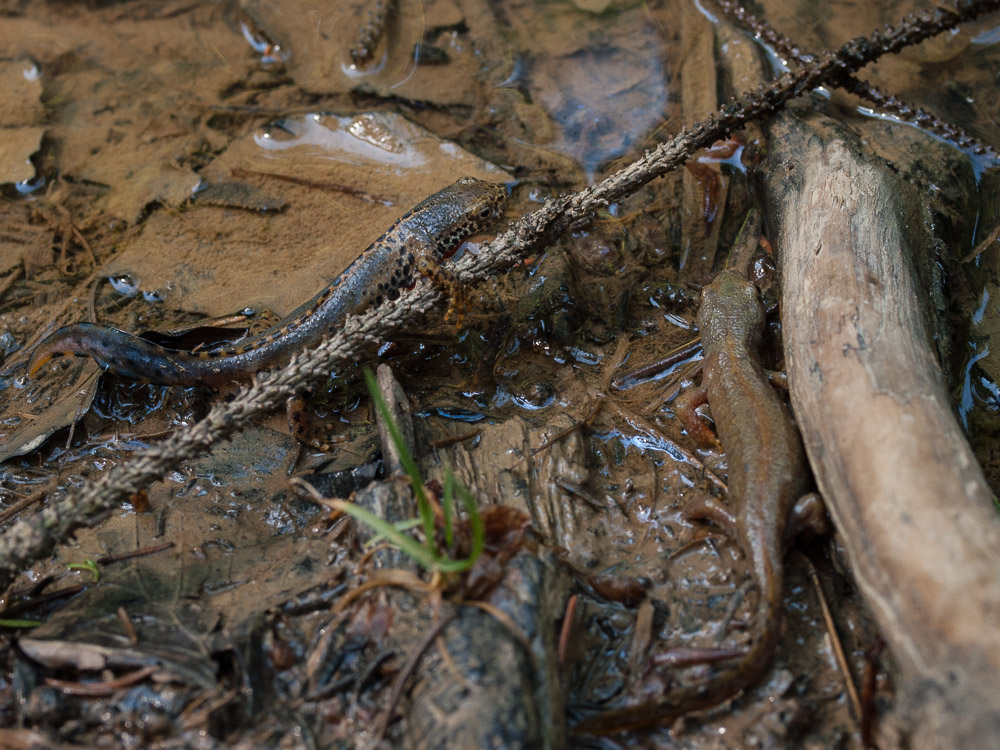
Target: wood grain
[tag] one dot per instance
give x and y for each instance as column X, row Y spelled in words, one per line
column 901, row 482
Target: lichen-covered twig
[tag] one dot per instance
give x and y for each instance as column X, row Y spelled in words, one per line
column 33, row 538
column 886, row 103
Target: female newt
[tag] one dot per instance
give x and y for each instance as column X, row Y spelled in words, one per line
column 424, row 235
column 767, row 475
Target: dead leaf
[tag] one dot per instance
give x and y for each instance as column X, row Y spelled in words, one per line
column 72, row 401
column 124, row 118
column 16, row 147
column 21, row 84
column 20, row 120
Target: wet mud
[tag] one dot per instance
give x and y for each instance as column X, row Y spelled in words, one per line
column 181, row 170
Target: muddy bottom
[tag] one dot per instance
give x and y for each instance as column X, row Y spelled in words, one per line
column 192, row 172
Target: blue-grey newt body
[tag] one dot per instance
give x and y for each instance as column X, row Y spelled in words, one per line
column 434, row 226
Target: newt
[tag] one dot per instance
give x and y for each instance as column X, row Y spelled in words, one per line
column 372, row 32
column 768, row 476
column 420, row 238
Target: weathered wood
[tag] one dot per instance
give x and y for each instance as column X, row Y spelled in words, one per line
column 898, row 476
column 502, row 684
column 491, row 681
column 399, row 408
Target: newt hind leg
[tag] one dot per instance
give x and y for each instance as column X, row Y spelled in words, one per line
column 459, row 301
column 809, row 517
column 303, row 429
column 686, row 408
column 712, row 509
column 262, row 320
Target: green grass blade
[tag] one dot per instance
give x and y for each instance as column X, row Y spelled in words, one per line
column 406, row 543
column 425, row 554
column 410, row 523
column 476, row 524
column 409, row 465
column 447, row 503
column 89, row 566
column 475, row 521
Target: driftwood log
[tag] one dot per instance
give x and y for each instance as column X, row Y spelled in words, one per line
column 905, row 492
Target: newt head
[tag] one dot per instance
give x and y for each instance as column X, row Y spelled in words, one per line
column 730, row 307
column 451, row 215
column 482, row 202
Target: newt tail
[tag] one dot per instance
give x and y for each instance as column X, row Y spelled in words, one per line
column 426, row 233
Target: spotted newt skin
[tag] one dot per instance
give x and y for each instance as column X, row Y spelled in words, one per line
column 434, row 226
column 768, row 475
column 372, row 32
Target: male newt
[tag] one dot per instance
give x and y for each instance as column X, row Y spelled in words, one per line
column 423, row 236
column 767, row 475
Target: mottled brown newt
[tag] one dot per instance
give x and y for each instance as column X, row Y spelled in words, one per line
column 768, row 475
column 434, row 226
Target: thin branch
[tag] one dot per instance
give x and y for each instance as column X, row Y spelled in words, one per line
column 887, row 103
